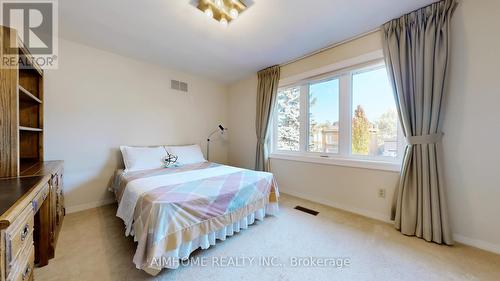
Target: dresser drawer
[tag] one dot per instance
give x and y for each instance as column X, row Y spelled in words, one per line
column 18, row 235
column 40, row 197
column 23, row 269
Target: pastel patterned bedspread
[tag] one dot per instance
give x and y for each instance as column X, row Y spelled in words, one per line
column 163, row 208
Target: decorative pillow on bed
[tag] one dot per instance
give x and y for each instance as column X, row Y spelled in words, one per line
column 170, row 160
column 187, row 154
column 142, row 158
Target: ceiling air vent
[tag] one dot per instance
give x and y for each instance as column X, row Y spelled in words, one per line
column 178, row 85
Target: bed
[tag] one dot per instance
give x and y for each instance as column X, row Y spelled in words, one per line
column 173, row 211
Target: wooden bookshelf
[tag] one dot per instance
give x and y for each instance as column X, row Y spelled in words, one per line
column 21, row 110
column 21, row 158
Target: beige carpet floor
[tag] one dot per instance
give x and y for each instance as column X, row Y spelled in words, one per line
column 92, row 246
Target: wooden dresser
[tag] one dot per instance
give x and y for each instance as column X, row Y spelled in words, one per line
column 32, row 211
column 31, row 190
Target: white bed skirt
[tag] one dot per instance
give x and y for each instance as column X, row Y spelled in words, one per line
column 171, row 259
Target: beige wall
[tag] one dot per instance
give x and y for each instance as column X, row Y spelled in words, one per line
column 471, row 125
column 97, row 101
column 351, row 189
column 360, row 46
column 471, row 142
column 242, row 136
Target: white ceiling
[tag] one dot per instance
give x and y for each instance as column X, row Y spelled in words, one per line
column 175, row 34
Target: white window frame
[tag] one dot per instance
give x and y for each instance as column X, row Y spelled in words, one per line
column 344, row 157
column 334, row 76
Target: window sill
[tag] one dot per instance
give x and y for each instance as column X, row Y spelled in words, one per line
column 356, row 163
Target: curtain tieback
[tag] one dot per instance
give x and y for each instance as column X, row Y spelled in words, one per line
column 262, row 141
column 424, row 139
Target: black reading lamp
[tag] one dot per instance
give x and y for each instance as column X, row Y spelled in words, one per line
column 220, row 129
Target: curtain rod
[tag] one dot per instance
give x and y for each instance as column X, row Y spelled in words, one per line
column 329, row 47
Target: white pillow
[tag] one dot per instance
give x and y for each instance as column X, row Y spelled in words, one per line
column 188, row 154
column 142, row 158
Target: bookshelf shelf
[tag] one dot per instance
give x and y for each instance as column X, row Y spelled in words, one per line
column 29, row 129
column 26, row 96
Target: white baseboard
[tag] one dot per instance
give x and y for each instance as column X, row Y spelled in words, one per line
column 483, row 245
column 362, row 212
column 86, row 206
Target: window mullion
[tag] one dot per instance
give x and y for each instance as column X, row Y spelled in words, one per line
column 304, row 117
column 345, row 115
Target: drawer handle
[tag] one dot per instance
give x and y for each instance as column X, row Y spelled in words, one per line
column 26, row 272
column 25, row 232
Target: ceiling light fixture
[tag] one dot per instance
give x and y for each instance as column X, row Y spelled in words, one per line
column 233, row 13
column 209, row 13
column 223, row 21
column 223, row 11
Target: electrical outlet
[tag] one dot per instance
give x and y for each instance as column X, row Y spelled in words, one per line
column 381, row 193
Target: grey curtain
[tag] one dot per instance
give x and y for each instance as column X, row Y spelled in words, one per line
column 267, row 89
column 416, row 50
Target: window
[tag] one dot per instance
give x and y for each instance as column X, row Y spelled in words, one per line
column 288, row 109
column 374, row 117
column 346, row 115
column 323, row 104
